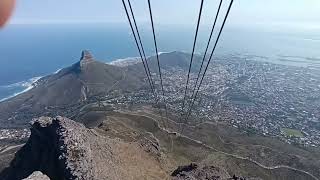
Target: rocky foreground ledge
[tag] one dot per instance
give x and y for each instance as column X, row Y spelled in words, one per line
column 58, row 147
column 62, row 149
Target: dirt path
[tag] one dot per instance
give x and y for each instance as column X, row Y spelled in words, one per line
column 10, row 147
column 222, row 152
column 220, row 138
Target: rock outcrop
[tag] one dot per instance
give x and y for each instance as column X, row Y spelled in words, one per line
column 37, row 175
column 195, row 172
column 57, row 147
column 64, row 149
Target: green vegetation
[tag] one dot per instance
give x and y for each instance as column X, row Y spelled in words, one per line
column 292, row 132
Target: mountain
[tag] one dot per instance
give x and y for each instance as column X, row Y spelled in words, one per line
column 70, row 86
column 170, row 60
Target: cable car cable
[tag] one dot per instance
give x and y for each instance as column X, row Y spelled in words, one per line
column 138, row 47
column 210, row 58
column 157, row 55
column 207, row 48
column 192, row 54
column 140, row 41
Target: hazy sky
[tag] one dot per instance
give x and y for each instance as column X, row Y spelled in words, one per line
column 286, row 13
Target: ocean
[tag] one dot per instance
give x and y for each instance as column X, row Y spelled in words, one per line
column 28, row 52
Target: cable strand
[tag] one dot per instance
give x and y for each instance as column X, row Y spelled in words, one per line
column 158, row 61
column 210, row 58
column 138, row 47
column 140, row 41
column 146, row 68
column 207, row 48
column 192, row 54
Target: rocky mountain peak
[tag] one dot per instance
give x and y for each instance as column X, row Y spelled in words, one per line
column 86, row 57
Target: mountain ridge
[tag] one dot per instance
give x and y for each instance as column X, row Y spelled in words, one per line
column 81, row 81
column 116, row 102
column 71, row 85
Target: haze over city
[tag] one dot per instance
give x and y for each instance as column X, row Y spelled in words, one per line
column 257, row 13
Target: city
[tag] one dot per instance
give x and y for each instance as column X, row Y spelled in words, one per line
column 255, row 97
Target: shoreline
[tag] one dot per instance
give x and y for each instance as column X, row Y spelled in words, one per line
column 29, row 84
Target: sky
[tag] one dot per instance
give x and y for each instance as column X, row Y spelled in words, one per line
column 260, row 13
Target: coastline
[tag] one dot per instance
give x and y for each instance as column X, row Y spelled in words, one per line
column 26, row 85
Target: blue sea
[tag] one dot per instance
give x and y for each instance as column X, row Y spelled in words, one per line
column 28, row 52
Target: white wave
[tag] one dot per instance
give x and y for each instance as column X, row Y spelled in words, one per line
column 27, row 85
column 197, row 53
column 18, row 84
column 133, row 60
column 159, row 53
column 57, row 71
column 125, row 62
column 311, row 39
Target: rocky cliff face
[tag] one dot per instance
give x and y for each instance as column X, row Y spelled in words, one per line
column 57, row 147
column 63, row 149
column 193, row 171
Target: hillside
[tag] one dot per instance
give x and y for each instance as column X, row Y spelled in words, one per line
column 70, row 86
column 168, row 61
column 133, row 145
column 75, row 85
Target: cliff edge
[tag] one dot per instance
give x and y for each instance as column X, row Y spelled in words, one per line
column 64, row 149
